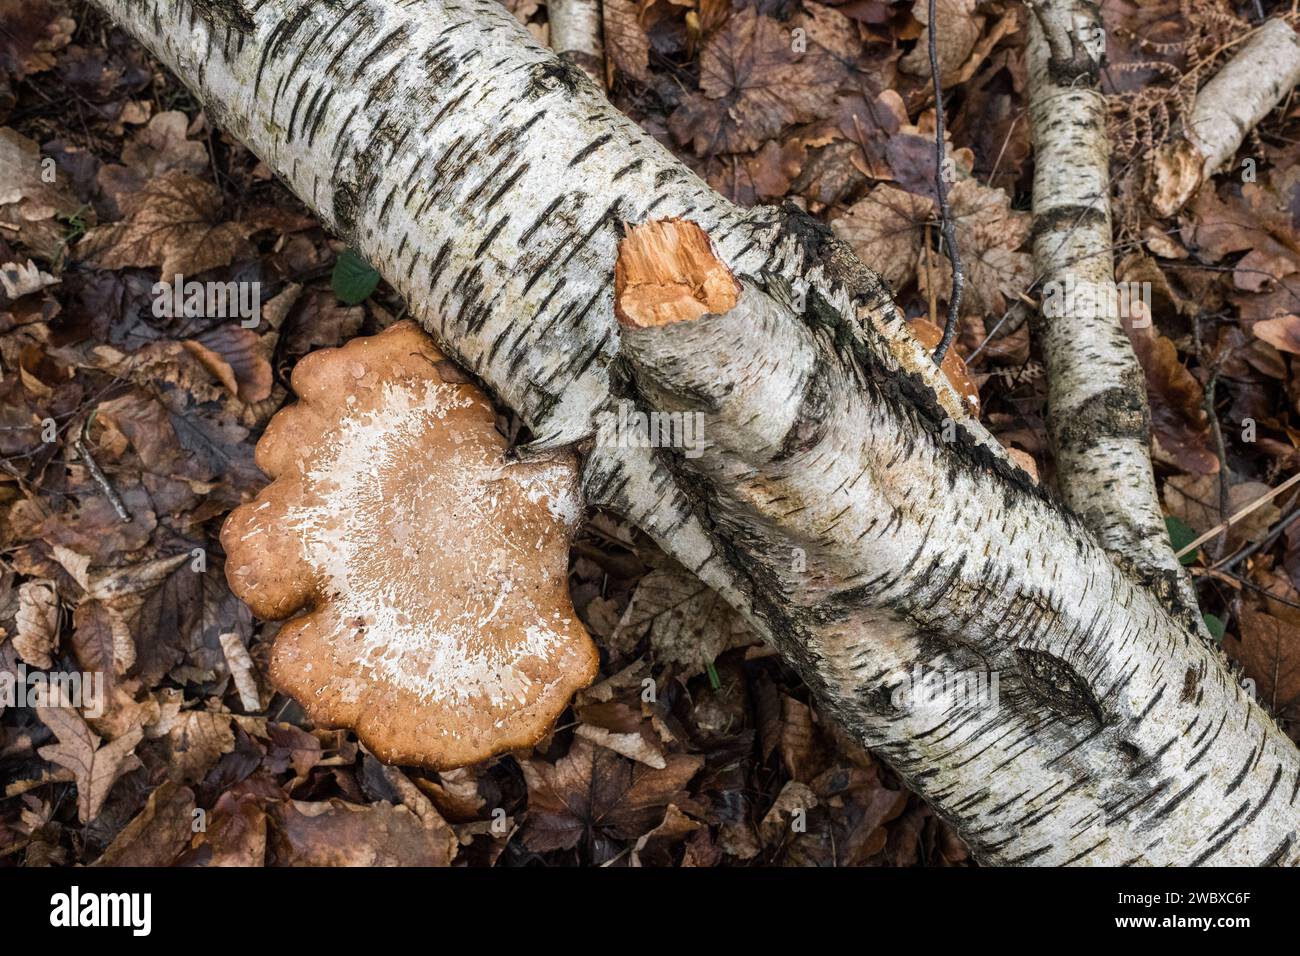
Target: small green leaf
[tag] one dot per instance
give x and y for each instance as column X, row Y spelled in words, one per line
column 714, row 681
column 1215, row 626
column 1181, row 536
column 353, row 279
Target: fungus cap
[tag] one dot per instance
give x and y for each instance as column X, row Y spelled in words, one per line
column 439, row 624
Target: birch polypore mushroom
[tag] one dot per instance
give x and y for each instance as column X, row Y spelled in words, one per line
column 435, row 570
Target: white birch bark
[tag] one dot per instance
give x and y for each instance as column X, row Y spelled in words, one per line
column 1230, row 105
column 1098, row 418
column 490, row 183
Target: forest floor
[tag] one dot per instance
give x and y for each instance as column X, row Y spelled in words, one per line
column 112, row 177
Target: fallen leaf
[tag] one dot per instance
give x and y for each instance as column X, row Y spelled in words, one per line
column 886, row 228
column 593, row 792
column 336, row 833
column 174, row 222
column 753, row 83
column 626, row 43
column 158, row 833
column 955, row 37
column 1269, row 652
column 1283, row 333
column 1179, row 426
column 94, row 768
column 37, row 621
column 688, row 623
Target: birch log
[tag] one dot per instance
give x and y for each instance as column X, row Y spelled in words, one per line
column 575, row 33
column 1229, row 106
column 490, row 182
column 1098, row 418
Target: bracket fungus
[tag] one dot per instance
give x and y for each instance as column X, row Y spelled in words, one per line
column 433, row 571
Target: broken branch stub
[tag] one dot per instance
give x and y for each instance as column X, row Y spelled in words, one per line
column 440, row 626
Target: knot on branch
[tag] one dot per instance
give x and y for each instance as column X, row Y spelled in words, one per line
column 1055, row 681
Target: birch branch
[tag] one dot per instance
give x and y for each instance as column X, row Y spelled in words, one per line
column 1098, row 419
column 575, row 33
column 1229, row 106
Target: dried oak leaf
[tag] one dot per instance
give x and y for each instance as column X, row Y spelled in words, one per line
column 1283, row 333
column 752, row 83
column 886, row 227
column 1269, row 652
column 626, row 42
column 958, row 31
column 989, row 235
column 688, row 623
column 173, row 222
column 336, row 833
column 94, row 768
column 30, row 33
column 592, row 791
column 1179, row 427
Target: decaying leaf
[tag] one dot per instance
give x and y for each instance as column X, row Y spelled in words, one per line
column 94, row 768
column 688, row 623
column 592, row 792
column 174, row 222
column 38, row 623
column 752, row 83
column 335, row 833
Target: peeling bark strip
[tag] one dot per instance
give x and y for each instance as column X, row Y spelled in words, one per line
column 490, row 183
column 1098, row 418
column 1228, row 107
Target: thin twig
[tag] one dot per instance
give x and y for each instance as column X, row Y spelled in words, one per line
column 97, row 473
column 947, row 227
column 1261, row 500
column 1232, row 561
column 1208, row 403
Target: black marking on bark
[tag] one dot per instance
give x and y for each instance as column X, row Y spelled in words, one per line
column 491, row 236
column 1067, row 219
column 809, row 425
column 630, row 167
column 1241, row 774
column 1058, row 684
column 232, row 14
column 394, row 39
column 554, row 74
column 349, row 198
column 1275, row 858
column 590, row 148
column 1117, row 413
column 320, row 118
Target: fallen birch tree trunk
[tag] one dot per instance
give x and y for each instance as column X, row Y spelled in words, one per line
column 1098, row 418
column 846, row 505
